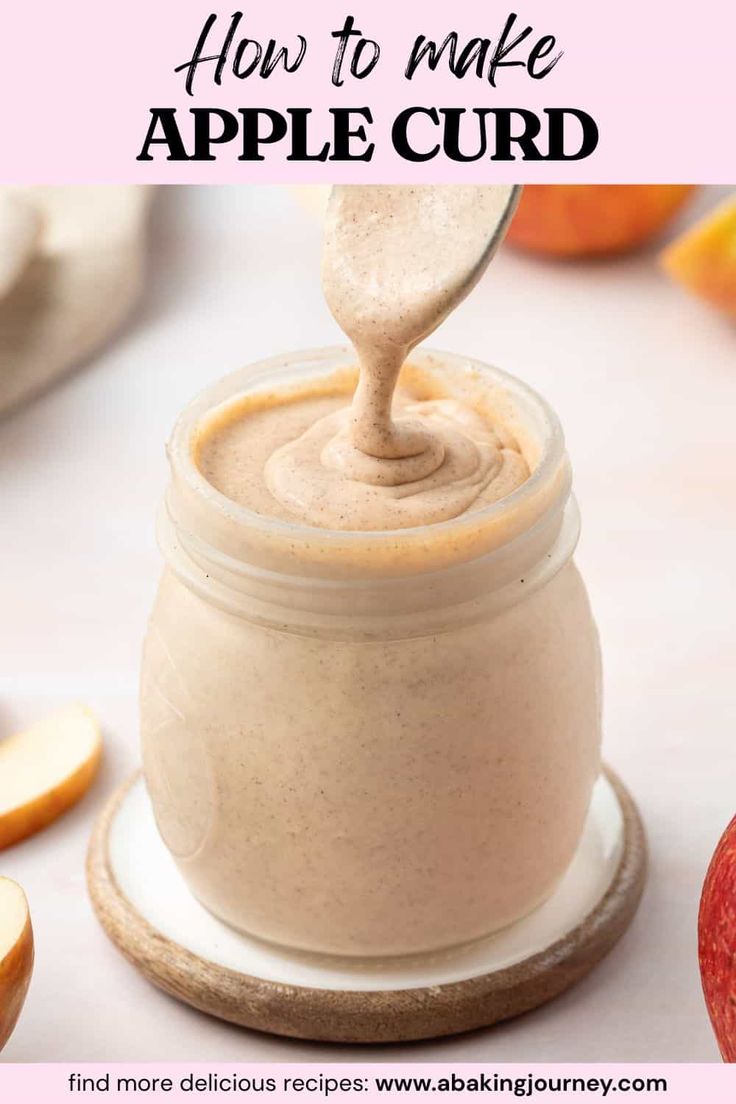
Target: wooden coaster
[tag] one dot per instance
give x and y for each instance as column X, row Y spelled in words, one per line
column 144, row 906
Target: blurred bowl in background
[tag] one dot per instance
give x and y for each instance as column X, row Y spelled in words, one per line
column 76, row 268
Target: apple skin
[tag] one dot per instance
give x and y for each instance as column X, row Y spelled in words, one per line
column 578, row 220
column 717, row 942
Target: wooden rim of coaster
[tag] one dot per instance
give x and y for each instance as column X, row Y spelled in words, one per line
column 351, row 1016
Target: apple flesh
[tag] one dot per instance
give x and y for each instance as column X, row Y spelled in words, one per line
column 576, row 220
column 16, row 955
column 703, row 260
column 717, row 942
column 45, row 770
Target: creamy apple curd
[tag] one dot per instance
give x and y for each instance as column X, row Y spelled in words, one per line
column 289, row 457
column 370, row 690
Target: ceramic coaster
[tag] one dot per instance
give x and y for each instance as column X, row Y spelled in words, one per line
column 145, row 907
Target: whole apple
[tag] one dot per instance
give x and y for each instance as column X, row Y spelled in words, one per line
column 579, row 220
column 717, row 942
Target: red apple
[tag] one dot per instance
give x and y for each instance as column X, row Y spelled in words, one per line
column 578, row 220
column 717, row 942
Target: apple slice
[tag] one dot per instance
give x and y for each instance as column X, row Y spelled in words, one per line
column 45, row 770
column 704, row 258
column 16, row 955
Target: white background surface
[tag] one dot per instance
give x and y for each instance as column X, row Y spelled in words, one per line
column 644, row 379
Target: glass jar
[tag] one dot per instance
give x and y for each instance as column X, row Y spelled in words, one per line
column 374, row 743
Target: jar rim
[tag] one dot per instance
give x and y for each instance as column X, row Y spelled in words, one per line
column 322, row 361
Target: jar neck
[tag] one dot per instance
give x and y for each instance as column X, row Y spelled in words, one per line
column 369, row 609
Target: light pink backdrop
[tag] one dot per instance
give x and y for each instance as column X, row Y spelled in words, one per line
column 77, row 79
column 48, row 1084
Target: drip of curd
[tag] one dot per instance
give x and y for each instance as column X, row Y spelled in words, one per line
column 396, row 261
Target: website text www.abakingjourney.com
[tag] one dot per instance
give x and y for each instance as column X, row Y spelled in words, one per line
column 525, row 1085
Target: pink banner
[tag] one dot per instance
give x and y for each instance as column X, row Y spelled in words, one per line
column 53, row 1084
column 185, row 91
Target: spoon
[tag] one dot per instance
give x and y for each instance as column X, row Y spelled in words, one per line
column 396, row 261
